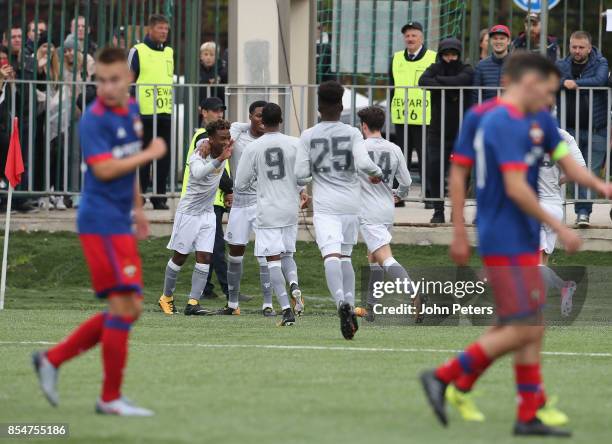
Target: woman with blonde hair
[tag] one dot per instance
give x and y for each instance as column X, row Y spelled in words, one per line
column 212, row 72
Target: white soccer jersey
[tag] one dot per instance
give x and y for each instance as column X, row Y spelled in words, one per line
column 549, row 189
column 204, row 177
column 270, row 161
column 241, row 134
column 331, row 153
column 378, row 205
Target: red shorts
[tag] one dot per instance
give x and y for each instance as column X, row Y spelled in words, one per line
column 518, row 288
column 114, row 263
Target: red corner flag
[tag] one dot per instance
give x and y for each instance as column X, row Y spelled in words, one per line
column 14, row 162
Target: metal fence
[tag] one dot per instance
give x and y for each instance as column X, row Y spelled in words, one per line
column 61, row 160
column 356, row 38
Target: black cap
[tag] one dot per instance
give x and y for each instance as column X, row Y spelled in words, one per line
column 212, row 104
column 412, row 25
column 449, row 44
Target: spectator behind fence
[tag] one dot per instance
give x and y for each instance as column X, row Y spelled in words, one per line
column 484, row 43
column 62, row 113
column 152, row 62
column 14, row 42
column 489, row 70
column 34, row 32
column 91, row 61
column 6, row 74
column 533, row 29
column 47, row 69
column 451, row 72
column 406, row 68
column 23, row 67
column 81, row 32
column 119, row 40
column 212, row 72
column 585, row 67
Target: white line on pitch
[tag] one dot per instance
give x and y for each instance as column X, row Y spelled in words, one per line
column 316, row 347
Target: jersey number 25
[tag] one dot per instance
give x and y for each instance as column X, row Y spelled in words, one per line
column 340, row 156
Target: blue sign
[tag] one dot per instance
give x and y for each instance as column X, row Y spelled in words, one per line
column 536, row 5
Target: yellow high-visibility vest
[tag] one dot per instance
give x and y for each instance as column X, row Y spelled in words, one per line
column 407, row 73
column 220, row 196
column 156, row 67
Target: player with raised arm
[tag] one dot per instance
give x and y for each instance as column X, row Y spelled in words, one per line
column 111, row 141
column 332, row 154
column 195, row 221
column 270, row 161
column 550, row 180
column 242, row 216
column 378, row 203
column 509, row 145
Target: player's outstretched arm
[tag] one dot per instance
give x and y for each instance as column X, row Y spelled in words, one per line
column 111, row 168
column 460, row 247
column 581, row 175
column 200, row 168
column 519, row 191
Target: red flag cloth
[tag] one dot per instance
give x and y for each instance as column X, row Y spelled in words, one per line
column 14, row 162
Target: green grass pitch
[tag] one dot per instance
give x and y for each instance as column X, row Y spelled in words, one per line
column 244, row 380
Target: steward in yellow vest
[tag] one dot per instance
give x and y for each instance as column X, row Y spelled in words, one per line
column 408, row 110
column 152, row 62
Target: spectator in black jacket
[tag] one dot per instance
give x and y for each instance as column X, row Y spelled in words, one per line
column 533, row 29
column 488, row 72
column 6, row 73
column 212, row 72
column 448, row 71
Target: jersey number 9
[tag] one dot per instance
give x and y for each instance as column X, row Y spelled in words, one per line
column 276, row 161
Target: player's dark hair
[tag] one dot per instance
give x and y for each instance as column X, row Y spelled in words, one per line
column 257, row 104
column 109, row 55
column 330, row 99
column 330, row 93
column 581, row 35
column 272, row 114
column 217, row 125
column 521, row 63
column 373, row 116
column 154, row 19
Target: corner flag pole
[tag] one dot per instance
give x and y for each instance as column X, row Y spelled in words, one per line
column 12, row 171
column 7, row 225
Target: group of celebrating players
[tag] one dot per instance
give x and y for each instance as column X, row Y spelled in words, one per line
column 351, row 183
column 506, row 140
